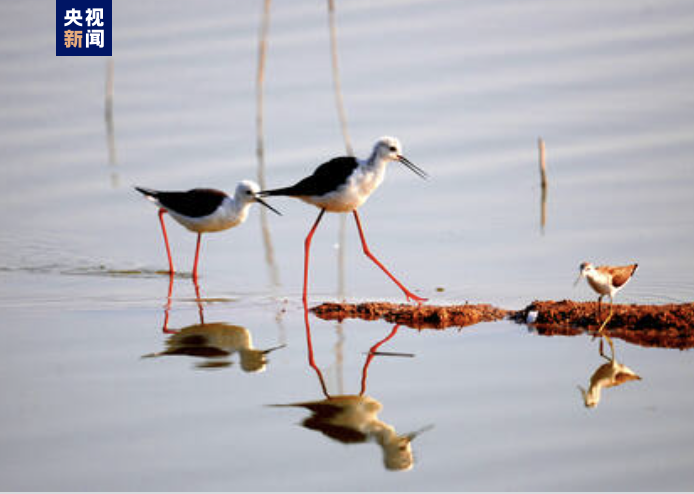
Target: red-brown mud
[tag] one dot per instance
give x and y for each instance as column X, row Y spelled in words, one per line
column 669, row 326
column 666, row 326
column 414, row 316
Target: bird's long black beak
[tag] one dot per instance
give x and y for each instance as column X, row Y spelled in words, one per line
column 417, row 170
column 412, row 435
column 259, row 200
column 269, row 350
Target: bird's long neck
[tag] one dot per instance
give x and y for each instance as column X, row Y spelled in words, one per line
column 591, row 397
column 236, row 211
column 374, row 164
column 241, row 206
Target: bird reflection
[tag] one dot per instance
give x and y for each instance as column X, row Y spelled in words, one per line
column 353, row 419
column 167, row 307
column 607, row 375
column 215, row 342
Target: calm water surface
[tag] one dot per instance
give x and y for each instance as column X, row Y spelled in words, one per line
column 95, row 396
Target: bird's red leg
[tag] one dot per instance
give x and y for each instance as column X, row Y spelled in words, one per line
column 162, row 211
column 198, row 300
column 408, row 294
column 307, row 248
column 195, row 263
column 167, row 307
column 311, row 360
column 370, row 356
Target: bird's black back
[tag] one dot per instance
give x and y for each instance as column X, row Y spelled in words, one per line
column 194, row 203
column 326, row 178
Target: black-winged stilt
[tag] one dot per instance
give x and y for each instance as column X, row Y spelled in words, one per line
column 342, row 185
column 606, row 280
column 216, row 342
column 353, row 418
column 204, row 210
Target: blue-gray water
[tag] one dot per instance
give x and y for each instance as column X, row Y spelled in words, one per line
column 468, row 87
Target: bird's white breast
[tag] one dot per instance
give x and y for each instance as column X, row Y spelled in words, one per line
column 353, row 193
column 224, row 217
column 600, row 283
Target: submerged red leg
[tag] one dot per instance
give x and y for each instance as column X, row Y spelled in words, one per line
column 408, row 294
column 307, row 248
column 197, row 255
column 311, row 360
column 166, row 240
column 370, row 356
column 198, row 300
column 167, row 307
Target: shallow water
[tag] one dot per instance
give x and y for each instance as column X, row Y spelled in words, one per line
column 468, row 87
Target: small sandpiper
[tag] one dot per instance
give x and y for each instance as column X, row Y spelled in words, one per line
column 343, row 184
column 606, row 280
column 204, row 210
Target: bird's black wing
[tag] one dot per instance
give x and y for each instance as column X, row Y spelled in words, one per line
column 194, row 203
column 326, row 178
column 342, row 433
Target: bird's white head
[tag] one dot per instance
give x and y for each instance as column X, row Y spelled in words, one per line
column 389, row 149
column 584, row 270
column 247, row 192
column 591, row 397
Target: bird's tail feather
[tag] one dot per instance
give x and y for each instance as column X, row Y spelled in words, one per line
column 284, row 191
column 150, row 193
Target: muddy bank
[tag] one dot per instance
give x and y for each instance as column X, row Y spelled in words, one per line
column 420, row 317
column 667, row 326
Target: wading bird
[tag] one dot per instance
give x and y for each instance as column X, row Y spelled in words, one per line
column 204, row 210
column 343, row 184
column 606, row 280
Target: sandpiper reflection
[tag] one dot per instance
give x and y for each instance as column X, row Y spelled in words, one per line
column 353, row 419
column 607, row 375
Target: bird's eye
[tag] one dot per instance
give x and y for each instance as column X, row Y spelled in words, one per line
column 248, row 192
column 393, row 148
